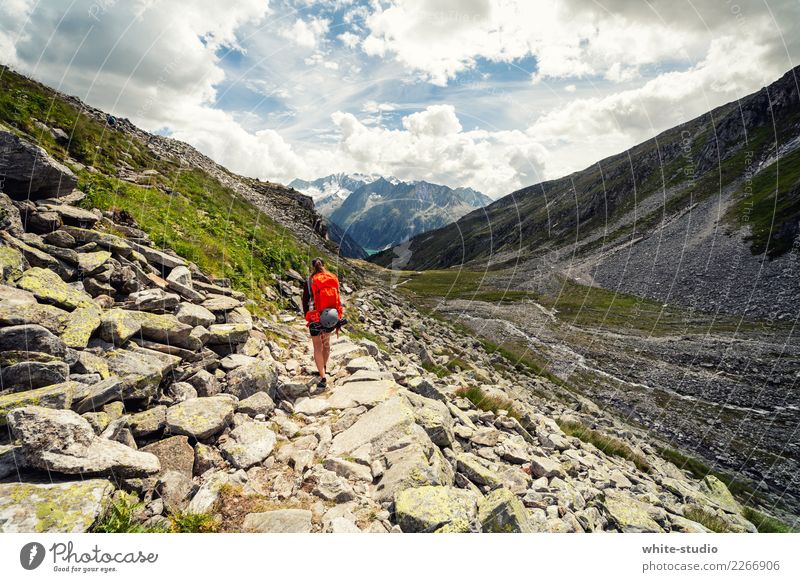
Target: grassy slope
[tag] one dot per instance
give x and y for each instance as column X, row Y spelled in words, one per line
column 200, row 218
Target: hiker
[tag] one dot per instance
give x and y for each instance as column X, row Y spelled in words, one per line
column 323, row 309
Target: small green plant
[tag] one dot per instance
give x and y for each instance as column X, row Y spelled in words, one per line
column 765, row 523
column 609, row 445
column 120, row 518
column 187, row 522
column 707, row 519
column 486, row 402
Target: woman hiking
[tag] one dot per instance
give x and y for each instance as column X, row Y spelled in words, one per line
column 323, row 308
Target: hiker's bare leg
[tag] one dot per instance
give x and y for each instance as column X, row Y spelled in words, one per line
column 319, row 356
column 326, row 349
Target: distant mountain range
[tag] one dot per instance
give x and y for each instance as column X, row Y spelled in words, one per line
column 379, row 212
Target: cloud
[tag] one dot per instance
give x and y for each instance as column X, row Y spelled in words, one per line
column 307, row 33
column 433, row 145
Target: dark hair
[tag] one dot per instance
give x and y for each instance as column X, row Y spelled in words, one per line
column 318, row 265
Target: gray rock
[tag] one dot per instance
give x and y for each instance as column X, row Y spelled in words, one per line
column 175, row 488
column 200, row 418
column 205, row 458
column 11, row 460
column 31, row 338
column 245, row 381
column 181, row 391
column 30, row 173
column 546, row 467
column 9, row 216
column 205, row 383
column 148, row 422
column 194, row 315
column 34, row 374
column 279, row 521
column 174, row 454
column 248, row 445
column 63, row 442
column 435, row 509
column 258, row 403
column 330, row 487
column 502, row 512
column 71, row 507
column 58, row 396
column 117, row 326
column 154, row 299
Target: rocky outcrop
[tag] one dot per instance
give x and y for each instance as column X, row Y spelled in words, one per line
column 29, row 172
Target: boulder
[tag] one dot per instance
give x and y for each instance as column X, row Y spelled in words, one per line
column 117, row 326
column 80, row 326
column 11, row 461
column 34, row 374
column 206, row 497
column 73, row 215
column 471, row 467
column 165, row 329
column 410, row 467
column 101, row 393
column 181, row 275
column 175, row 489
column 180, row 391
column 143, row 368
column 330, row 487
column 9, row 216
column 629, row 514
column 148, row 422
column 58, row 396
column 174, row 454
column 546, row 467
column 220, row 303
column 206, row 458
column 245, row 381
column 71, row 507
column 434, row 417
column 258, row 403
column 502, row 512
column 12, row 263
column 382, row 426
column 279, row 521
column 154, row 300
column 157, row 257
column 31, row 338
column 48, row 287
column 248, row 444
column 205, row 383
column 719, row 493
column 435, row 509
column 92, row 263
column 201, row 418
column 30, row 173
column 63, row 442
column 194, row 315
column 228, row 334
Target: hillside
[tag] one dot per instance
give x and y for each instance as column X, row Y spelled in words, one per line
column 153, row 379
column 720, row 191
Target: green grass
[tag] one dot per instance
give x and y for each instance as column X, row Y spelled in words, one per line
column 770, row 205
column 609, row 445
column 483, row 401
column 119, row 518
column 707, row 519
column 187, row 522
column 765, row 523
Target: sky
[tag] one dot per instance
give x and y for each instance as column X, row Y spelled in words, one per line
column 491, row 94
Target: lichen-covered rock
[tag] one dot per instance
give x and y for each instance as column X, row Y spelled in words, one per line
column 48, row 287
column 91, row 263
column 628, row 513
column 148, row 422
column 435, row 509
column 502, row 512
column 258, row 403
column 409, row 467
column 382, row 426
column 205, row 383
column 80, row 326
column 34, row 374
column 9, row 216
column 201, row 418
column 63, row 442
column 71, row 507
column 118, row 325
column 12, row 263
column 154, row 300
column 248, row 444
column 194, row 315
column 245, row 381
column 32, row 338
column 228, row 333
column 57, row 396
column 719, row 493
column 165, row 329
column 469, row 465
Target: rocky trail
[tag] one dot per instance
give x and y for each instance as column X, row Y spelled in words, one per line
column 131, row 377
